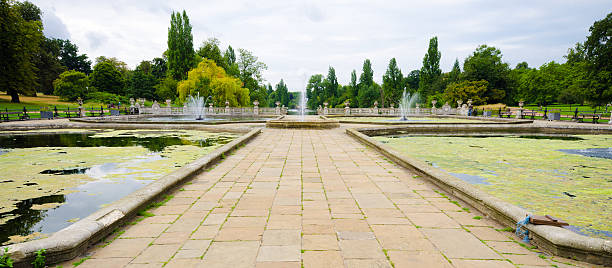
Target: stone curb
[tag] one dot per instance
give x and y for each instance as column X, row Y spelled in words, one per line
column 555, row 240
column 483, row 128
column 122, row 120
column 73, row 240
column 490, row 120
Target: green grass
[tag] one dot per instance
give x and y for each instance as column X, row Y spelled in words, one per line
column 80, row 261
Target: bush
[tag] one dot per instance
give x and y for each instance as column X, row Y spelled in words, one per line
column 71, row 85
column 105, row 97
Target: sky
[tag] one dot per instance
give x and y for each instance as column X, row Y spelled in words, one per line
column 297, row 39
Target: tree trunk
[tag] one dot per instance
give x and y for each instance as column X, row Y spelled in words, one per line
column 14, row 96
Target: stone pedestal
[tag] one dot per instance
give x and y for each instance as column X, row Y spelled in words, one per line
column 325, row 110
column 256, row 107
column 277, row 110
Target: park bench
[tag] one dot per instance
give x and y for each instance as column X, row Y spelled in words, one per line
column 594, row 116
column 506, row 113
column 531, row 114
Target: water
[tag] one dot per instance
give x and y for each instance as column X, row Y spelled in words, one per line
column 196, row 106
column 204, row 119
column 406, row 103
column 303, row 101
column 57, row 179
column 605, row 153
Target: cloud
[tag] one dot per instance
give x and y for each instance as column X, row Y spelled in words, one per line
column 54, row 27
column 96, row 39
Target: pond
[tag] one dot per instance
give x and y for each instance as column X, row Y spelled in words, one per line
column 50, row 180
column 209, row 119
column 569, row 177
column 410, row 119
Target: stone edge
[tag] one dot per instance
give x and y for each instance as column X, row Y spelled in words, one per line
column 555, row 240
column 487, row 120
column 73, row 240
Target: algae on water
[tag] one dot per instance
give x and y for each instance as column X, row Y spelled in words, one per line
column 531, row 173
column 30, row 173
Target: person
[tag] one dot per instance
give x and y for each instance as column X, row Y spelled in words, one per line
column 470, row 108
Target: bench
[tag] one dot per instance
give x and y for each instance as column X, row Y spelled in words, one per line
column 507, row 113
column 93, row 111
column 526, row 113
column 594, row 116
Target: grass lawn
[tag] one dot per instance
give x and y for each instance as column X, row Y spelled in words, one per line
column 41, row 100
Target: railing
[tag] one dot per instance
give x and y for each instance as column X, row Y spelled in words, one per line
column 235, row 111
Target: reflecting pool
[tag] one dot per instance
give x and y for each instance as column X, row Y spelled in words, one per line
column 50, row 180
column 569, row 177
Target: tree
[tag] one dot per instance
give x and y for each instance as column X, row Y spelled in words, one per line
column 105, row 77
column 430, row 72
column 250, row 69
column 70, row 59
column 486, row 64
column 159, row 68
column 368, row 92
column 466, row 90
column 19, row 39
column 118, row 64
column 48, row 65
column 180, row 46
column 412, row 81
column 230, row 61
column 71, row 85
column 330, row 87
column 142, row 83
column 393, row 83
column 314, row 91
column 29, row 11
column 282, row 93
column 455, row 73
column 166, row 88
column 598, row 50
column 208, row 79
column 210, row 50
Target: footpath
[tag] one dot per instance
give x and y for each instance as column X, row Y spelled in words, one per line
column 312, row 198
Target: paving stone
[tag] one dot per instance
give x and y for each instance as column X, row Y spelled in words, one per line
column 367, row 263
column 530, row 259
column 488, row 233
column 322, row 259
column 144, row 230
column 319, row 242
column 460, row 263
column 123, row 248
column 231, row 254
column 196, row 244
column 284, row 264
column 359, row 249
column 184, row 263
column 215, row 219
column 447, row 240
column 351, row 225
column 508, row 247
column 234, row 222
column 206, row 232
column 284, row 222
column 355, row 235
column 188, row 253
column 107, row 262
column 172, row 238
column 159, row 219
column 438, row 220
column 279, row 253
column 318, row 229
column 418, row 259
column 281, row 237
column 156, row 253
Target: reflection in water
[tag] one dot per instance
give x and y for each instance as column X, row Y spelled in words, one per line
column 591, row 152
column 111, row 181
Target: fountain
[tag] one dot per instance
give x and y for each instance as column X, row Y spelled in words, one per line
column 303, row 101
column 405, row 103
column 196, row 106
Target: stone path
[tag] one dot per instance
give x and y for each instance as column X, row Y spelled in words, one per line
column 311, row 198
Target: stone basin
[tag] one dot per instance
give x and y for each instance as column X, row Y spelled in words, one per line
column 313, row 122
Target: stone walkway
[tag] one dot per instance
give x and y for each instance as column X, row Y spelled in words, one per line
column 311, row 198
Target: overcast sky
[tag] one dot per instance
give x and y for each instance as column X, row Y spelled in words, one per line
column 299, row 38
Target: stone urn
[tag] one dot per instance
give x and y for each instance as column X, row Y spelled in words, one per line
column 433, row 106
column 325, row 109
column 256, row 107
column 277, row 109
column 227, row 108
column 347, row 108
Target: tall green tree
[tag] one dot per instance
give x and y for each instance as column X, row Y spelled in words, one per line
column 330, row 87
column 314, row 91
column 20, row 41
column 455, row 73
column 486, row 64
column 412, row 81
column 430, row 72
column 181, row 56
column 70, row 58
column 142, row 82
column 251, row 69
column 393, row 83
column 368, row 91
column 48, row 65
column 598, row 54
column 230, row 61
column 282, row 93
column 159, row 68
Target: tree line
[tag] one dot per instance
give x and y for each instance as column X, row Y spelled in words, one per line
column 585, row 78
column 33, row 63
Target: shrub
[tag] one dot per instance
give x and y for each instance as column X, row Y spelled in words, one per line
column 105, row 97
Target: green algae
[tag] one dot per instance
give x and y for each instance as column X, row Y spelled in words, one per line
column 22, row 178
column 426, row 120
column 530, row 173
